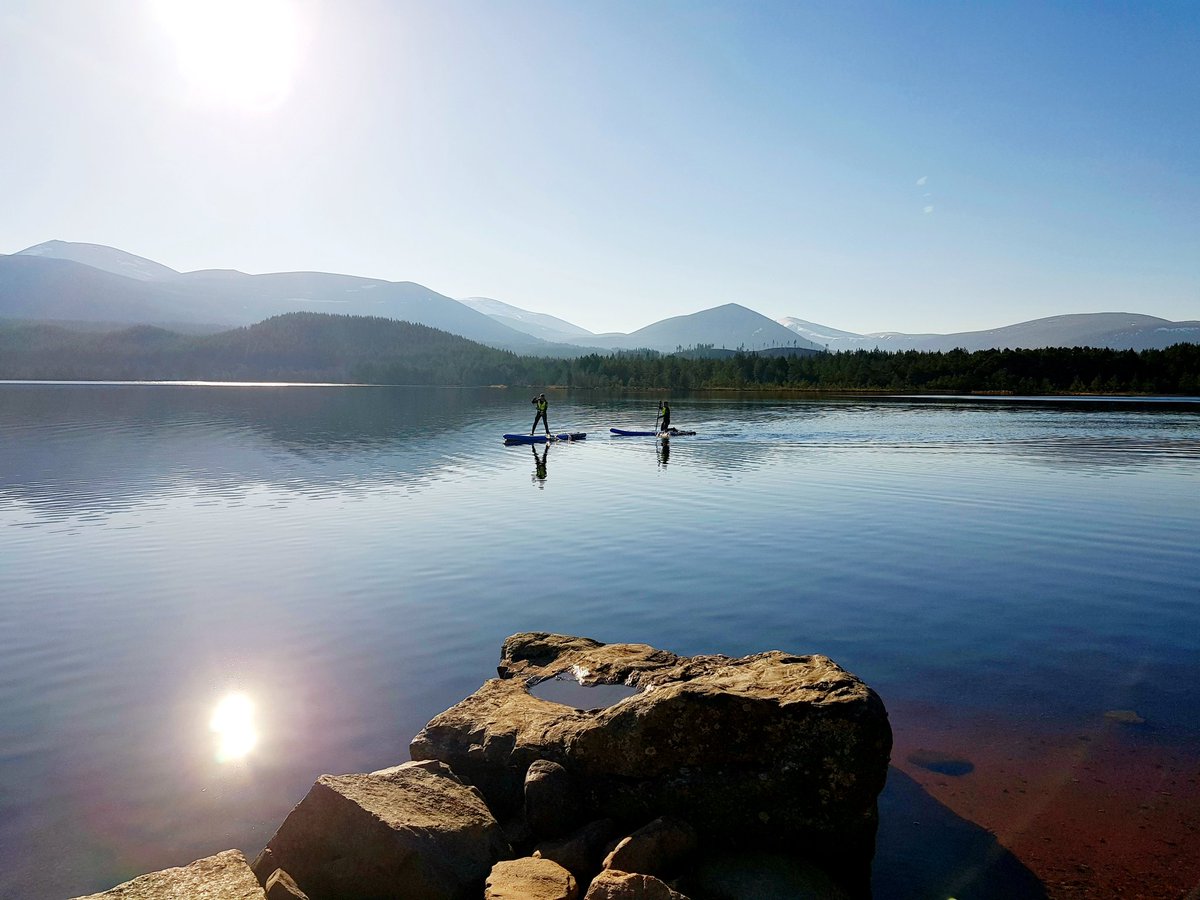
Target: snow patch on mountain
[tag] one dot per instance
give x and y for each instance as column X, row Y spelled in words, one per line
column 540, row 325
column 107, row 259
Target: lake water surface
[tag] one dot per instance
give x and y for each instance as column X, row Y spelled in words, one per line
column 1018, row 580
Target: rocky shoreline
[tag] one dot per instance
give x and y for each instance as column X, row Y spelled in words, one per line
column 715, row 778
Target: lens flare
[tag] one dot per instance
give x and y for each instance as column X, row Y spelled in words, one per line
column 241, row 53
column 233, row 723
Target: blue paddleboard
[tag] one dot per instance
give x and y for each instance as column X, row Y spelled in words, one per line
column 542, row 438
column 674, row 432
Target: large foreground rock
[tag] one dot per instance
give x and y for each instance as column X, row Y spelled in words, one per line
column 225, row 876
column 772, row 749
column 409, row 831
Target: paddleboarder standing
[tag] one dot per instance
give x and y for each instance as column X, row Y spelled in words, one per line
column 540, row 403
column 664, row 410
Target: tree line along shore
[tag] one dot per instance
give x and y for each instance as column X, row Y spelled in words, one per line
column 321, row 347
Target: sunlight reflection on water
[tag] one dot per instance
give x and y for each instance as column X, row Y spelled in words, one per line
column 233, row 723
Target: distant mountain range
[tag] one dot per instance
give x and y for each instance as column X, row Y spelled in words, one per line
column 90, row 283
column 1118, row 331
column 86, row 282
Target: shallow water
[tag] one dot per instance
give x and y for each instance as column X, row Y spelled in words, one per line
column 565, row 690
column 351, row 559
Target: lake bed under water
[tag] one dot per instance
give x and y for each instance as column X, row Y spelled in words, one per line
column 1019, row 580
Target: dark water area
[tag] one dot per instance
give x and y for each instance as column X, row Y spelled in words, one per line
column 1019, row 580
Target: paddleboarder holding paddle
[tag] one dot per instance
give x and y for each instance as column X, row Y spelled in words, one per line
column 664, row 411
column 540, row 402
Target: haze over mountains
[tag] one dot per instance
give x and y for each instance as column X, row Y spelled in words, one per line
column 91, row 283
column 1119, row 331
column 88, row 283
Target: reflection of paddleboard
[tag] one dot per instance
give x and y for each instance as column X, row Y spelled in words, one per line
column 674, row 432
column 542, row 438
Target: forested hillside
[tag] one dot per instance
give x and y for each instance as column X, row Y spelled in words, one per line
column 334, row 348
column 290, row 347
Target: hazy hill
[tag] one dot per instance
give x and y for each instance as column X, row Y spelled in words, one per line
column 38, row 287
column 294, row 346
column 540, row 325
column 730, row 326
column 1118, row 331
column 108, row 259
column 250, row 298
column 824, row 335
column 59, row 280
column 324, row 341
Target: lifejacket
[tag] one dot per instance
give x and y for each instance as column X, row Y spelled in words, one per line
column 541, row 405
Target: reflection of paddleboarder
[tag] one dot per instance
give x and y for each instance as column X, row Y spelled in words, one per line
column 539, row 463
column 540, row 402
column 664, row 452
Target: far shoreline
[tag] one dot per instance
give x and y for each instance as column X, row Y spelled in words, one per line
column 639, row 391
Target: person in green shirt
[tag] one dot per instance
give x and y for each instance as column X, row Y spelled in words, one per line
column 664, row 410
column 540, row 402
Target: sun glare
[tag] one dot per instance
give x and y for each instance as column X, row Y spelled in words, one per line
column 240, row 53
column 233, row 723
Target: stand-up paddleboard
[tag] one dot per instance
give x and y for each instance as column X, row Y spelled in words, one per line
column 543, row 438
column 674, row 432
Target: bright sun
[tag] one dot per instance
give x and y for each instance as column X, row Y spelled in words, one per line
column 240, row 53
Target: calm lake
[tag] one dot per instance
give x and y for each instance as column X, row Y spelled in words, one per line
column 1019, row 580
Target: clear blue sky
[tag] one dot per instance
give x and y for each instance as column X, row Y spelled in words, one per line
column 869, row 166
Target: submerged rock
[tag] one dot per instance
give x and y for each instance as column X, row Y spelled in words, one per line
column 1125, row 717
column 773, row 749
column 942, row 763
column 226, row 876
